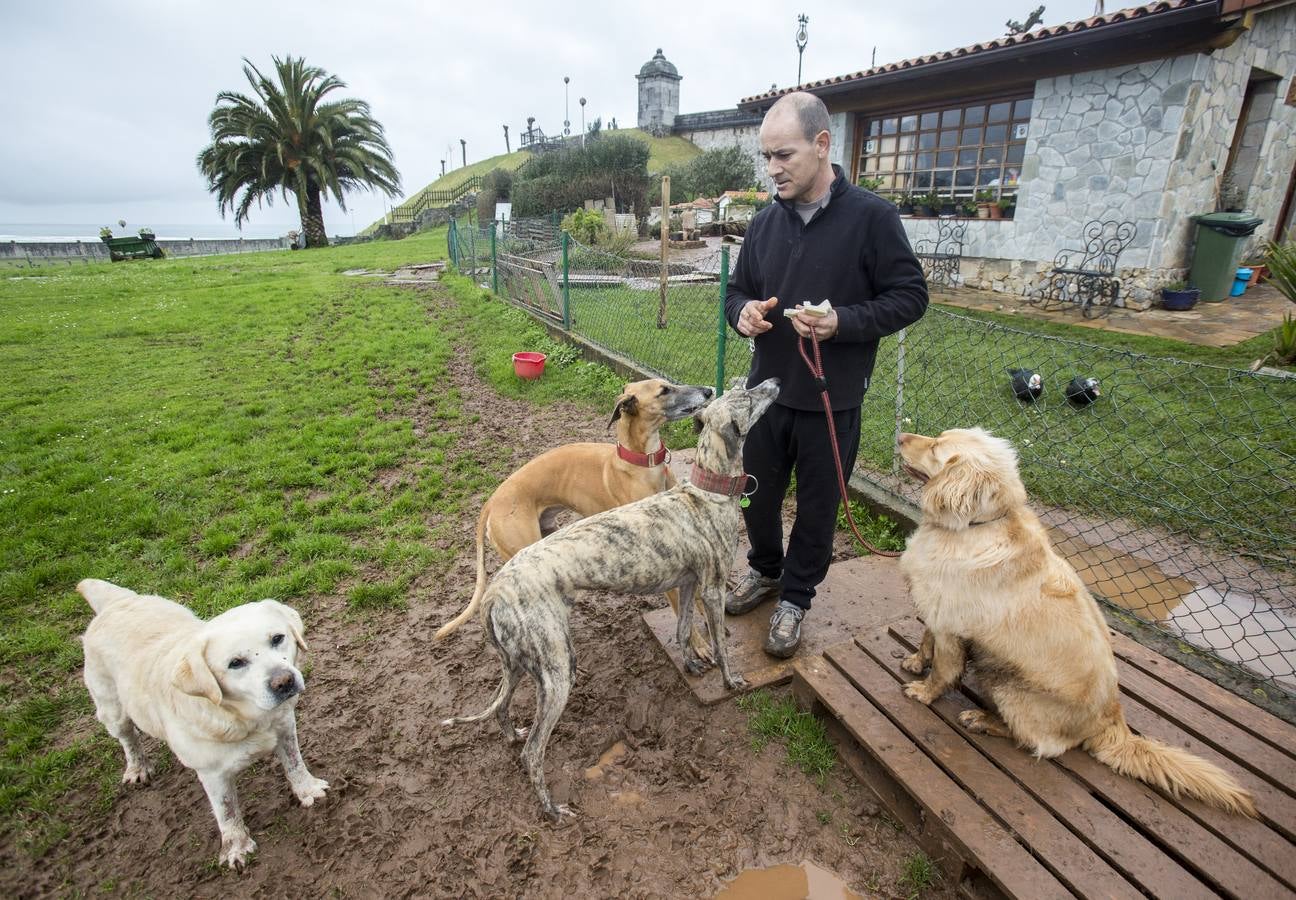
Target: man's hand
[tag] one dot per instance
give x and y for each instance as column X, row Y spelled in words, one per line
column 751, row 321
column 823, row 327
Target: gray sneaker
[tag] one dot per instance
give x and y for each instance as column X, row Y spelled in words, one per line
column 751, row 592
column 785, row 630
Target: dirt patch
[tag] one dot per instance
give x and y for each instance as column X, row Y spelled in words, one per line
column 671, row 798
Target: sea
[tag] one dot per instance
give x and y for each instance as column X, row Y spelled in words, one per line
column 49, row 232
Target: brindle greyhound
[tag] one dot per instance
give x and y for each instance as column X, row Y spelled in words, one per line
column 587, row 478
column 683, row 538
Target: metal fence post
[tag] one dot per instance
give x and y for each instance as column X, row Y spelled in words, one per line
column 566, row 297
column 450, row 244
column 899, row 402
column 722, row 326
column 494, row 261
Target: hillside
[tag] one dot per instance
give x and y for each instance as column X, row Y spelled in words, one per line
column 662, row 152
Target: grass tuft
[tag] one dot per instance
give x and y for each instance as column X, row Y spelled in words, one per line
column 777, row 718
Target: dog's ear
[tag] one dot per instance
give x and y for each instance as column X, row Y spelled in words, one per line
column 962, row 492
column 627, row 404
column 293, row 619
column 193, row 676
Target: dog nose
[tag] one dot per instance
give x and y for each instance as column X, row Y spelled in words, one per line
column 283, row 683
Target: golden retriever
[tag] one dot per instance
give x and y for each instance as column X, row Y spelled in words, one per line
column 220, row 693
column 995, row 595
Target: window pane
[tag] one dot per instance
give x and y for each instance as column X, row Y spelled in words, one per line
column 889, row 126
column 996, row 134
column 974, row 115
column 965, row 178
column 1022, row 109
column 904, row 161
column 871, row 164
column 887, row 145
column 971, row 137
column 949, row 138
column 943, row 177
column 945, row 158
column 950, row 117
column 907, row 141
column 929, row 120
column 908, row 123
column 927, row 140
column 925, row 161
column 992, row 155
column 999, row 111
column 886, row 163
column 921, row 181
column 1016, row 152
column 968, row 157
column 988, row 176
column 875, row 128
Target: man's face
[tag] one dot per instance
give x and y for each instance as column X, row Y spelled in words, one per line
column 792, row 161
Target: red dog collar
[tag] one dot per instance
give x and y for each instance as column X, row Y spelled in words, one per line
column 727, row 485
column 647, row 460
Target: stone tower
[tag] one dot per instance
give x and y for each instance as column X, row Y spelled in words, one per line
column 658, row 95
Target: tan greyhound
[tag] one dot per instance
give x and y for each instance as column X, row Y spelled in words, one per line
column 588, row 478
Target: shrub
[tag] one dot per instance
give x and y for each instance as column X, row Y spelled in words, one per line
column 585, row 225
column 614, row 165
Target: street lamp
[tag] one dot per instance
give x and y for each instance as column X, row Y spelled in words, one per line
column 464, row 146
column 801, row 38
column 566, row 108
column 582, row 103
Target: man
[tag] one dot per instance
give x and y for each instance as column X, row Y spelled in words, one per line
column 823, row 238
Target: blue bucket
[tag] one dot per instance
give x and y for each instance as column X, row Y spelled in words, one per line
column 1240, row 282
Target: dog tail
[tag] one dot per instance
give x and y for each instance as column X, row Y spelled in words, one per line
column 100, row 594
column 479, row 591
column 1169, row 769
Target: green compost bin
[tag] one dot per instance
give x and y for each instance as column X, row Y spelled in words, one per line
column 1220, row 237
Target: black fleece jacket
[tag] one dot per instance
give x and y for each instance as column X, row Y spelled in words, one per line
column 855, row 253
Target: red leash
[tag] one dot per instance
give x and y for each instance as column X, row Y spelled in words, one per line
column 816, row 369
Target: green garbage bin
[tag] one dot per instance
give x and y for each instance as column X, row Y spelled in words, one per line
column 1220, row 237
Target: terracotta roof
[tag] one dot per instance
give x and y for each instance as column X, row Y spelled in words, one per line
column 760, row 195
column 1039, row 34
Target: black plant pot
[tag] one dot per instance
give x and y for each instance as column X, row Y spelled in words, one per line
column 1179, row 300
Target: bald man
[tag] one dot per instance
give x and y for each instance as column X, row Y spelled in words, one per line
column 822, row 238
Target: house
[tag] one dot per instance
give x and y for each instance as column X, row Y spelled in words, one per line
column 1135, row 115
column 740, row 201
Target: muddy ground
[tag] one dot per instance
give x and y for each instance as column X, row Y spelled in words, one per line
column 679, row 804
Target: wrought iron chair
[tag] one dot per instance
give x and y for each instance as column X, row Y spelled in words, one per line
column 941, row 258
column 1086, row 276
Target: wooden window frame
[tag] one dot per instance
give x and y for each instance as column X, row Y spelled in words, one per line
column 966, row 152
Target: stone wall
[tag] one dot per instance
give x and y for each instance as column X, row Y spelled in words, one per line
column 1145, row 143
column 39, row 250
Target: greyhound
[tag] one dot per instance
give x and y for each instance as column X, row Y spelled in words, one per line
column 587, row 478
column 682, row 538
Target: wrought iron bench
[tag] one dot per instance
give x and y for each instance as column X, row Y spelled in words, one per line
column 1086, row 276
column 941, row 258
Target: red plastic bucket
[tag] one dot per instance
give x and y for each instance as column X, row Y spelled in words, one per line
column 528, row 365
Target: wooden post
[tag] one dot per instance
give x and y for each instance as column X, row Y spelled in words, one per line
column 665, row 249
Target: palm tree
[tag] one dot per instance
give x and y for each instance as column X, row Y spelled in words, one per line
column 289, row 138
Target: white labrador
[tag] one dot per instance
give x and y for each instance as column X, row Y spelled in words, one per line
column 220, row 693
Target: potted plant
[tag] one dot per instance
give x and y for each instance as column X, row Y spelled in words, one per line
column 1178, row 296
column 968, row 208
column 105, row 234
column 906, row 205
column 1007, row 206
column 928, row 205
column 870, row 184
column 147, row 234
column 986, row 207
column 947, row 206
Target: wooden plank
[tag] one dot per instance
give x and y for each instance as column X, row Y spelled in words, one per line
column 1265, row 841
column 1238, row 745
column 970, row 830
column 1225, row 703
column 1107, row 833
column 1074, row 863
column 1195, row 846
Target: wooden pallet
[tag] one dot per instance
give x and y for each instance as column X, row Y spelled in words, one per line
column 1002, row 823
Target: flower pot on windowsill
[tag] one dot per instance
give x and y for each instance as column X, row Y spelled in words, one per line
column 984, row 210
column 1179, row 300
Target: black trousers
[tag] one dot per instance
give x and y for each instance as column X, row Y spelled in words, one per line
column 784, row 441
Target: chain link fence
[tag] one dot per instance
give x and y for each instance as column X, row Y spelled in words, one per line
column 1173, row 493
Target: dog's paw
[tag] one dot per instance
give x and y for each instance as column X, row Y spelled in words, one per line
column 974, row 720
column 310, row 790
column 137, row 773
column 693, row 665
column 559, row 811
column 920, row 691
column 736, row 683
column 914, row 663
column 236, row 847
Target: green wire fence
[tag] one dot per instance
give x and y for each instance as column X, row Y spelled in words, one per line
column 1173, row 493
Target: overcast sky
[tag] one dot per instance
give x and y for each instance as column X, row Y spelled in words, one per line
column 107, row 104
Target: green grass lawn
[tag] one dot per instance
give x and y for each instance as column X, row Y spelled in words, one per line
column 214, row 430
